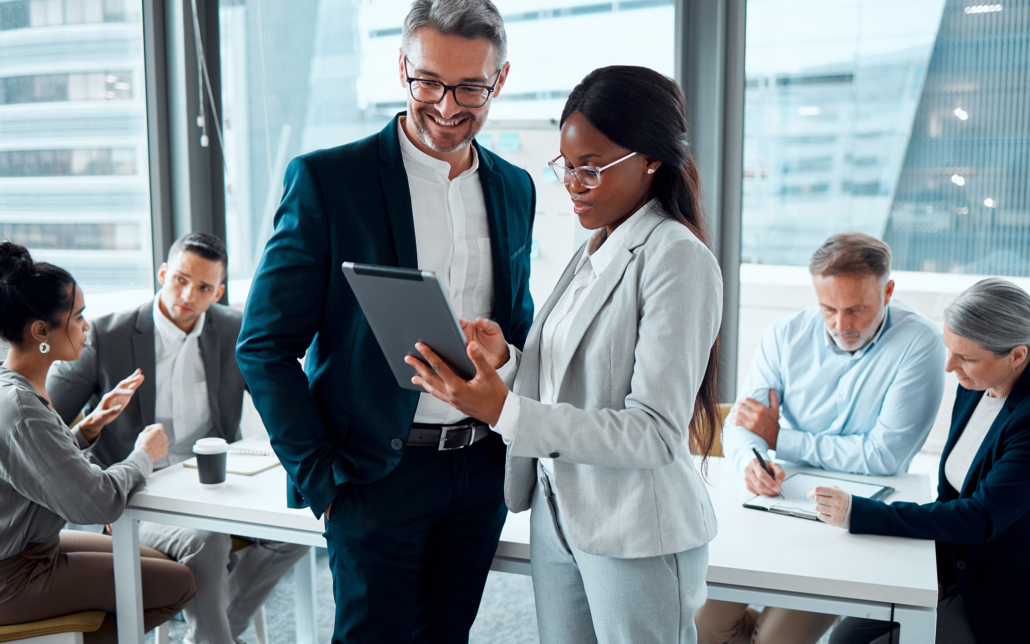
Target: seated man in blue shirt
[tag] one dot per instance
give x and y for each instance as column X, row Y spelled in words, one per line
column 852, row 385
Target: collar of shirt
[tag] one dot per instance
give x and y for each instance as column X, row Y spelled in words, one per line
column 602, row 247
column 828, row 339
column 437, row 166
column 172, row 333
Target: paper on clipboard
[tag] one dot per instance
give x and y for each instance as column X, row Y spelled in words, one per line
column 795, row 491
column 247, row 457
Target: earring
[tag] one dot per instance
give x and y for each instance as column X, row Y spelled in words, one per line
column 650, row 170
column 44, row 347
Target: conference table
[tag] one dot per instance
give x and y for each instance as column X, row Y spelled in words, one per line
column 757, row 558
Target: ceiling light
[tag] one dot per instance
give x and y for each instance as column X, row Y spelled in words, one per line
column 961, row 113
column 812, row 110
column 983, row 8
column 990, row 203
column 958, row 180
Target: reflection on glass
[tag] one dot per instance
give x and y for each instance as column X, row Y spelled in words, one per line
column 899, row 119
column 74, row 181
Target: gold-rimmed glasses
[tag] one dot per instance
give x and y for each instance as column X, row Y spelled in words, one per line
column 588, row 176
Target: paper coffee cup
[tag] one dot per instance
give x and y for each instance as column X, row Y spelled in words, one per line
column 211, row 457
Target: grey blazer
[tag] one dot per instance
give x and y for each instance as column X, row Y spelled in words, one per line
column 625, row 481
column 121, row 342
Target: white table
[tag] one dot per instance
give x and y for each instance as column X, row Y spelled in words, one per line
column 772, row 560
column 757, row 557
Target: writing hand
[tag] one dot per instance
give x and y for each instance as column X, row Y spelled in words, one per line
column 111, row 406
column 758, row 481
column 757, row 418
column 488, row 335
column 481, row 398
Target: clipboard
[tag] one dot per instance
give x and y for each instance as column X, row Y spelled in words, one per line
column 797, row 486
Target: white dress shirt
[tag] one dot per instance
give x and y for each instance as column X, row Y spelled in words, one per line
column 452, row 238
column 595, row 258
column 181, row 404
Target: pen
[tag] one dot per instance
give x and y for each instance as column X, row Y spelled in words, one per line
column 761, row 461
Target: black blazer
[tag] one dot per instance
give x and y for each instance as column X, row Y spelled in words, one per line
column 983, row 531
column 343, row 418
column 120, row 343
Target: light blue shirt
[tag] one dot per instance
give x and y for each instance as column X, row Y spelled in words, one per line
column 864, row 413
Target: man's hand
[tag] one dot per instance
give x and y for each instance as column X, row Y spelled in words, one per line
column 328, row 507
column 481, row 398
column 758, row 482
column 110, row 407
column 757, row 418
column 488, row 335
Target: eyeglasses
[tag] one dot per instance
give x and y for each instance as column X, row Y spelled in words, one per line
column 588, row 176
column 431, row 92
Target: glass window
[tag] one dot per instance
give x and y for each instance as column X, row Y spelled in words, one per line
column 74, row 177
column 302, row 76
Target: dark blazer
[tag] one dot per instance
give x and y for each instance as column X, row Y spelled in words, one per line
column 343, row 418
column 120, row 343
column 982, row 531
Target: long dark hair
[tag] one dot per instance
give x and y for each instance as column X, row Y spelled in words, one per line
column 644, row 111
column 30, row 290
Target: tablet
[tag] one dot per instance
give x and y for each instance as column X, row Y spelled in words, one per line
column 405, row 306
column 795, row 489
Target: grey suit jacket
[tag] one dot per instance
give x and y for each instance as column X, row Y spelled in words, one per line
column 625, row 481
column 120, row 343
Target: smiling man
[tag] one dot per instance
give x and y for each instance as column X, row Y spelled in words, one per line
column 851, row 385
column 176, row 357
column 411, row 490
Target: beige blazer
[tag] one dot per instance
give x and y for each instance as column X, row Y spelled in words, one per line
column 625, row 481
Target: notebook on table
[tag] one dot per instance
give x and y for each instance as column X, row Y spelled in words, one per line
column 795, row 489
column 247, row 457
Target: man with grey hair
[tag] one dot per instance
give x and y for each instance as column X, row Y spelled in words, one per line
column 851, row 385
column 412, row 490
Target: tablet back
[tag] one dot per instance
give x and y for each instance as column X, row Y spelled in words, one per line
column 406, row 306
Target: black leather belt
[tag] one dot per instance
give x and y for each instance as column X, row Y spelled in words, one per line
column 448, row 437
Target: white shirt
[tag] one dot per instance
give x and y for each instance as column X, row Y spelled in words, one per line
column 968, row 444
column 596, row 257
column 182, row 404
column 452, row 239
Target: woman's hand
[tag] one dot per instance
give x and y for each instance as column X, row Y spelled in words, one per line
column 110, row 407
column 481, row 398
column 153, row 441
column 488, row 335
column 832, row 503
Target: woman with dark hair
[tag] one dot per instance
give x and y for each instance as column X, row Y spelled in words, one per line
column 617, row 380
column 981, row 518
column 46, row 480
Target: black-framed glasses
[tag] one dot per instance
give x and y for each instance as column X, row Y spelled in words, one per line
column 431, row 92
column 588, row 176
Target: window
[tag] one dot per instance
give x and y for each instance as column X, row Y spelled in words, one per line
column 302, row 76
column 74, row 177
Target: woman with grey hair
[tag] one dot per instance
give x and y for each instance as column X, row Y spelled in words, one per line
column 981, row 519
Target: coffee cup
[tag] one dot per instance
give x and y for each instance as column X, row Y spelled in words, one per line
column 211, row 458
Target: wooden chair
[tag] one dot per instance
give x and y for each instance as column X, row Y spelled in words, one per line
column 260, row 618
column 724, row 411
column 66, row 629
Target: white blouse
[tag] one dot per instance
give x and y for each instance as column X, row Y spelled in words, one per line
column 961, row 458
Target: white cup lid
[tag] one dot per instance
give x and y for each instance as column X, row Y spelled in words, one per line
column 210, row 446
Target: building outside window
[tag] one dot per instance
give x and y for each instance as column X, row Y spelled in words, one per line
column 74, row 178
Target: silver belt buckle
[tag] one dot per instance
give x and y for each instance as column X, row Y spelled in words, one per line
column 443, row 437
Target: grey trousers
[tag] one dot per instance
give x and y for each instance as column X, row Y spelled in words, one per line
column 952, row 627
column 588, row 599
column 226, row 601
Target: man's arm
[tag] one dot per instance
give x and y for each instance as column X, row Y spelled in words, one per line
column 72, row 384
column 281, row 318
column 909, row 410
column 763, row 374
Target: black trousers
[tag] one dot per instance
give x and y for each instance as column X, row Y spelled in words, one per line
column 410, row 553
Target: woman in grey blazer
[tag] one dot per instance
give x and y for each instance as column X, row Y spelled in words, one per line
column 45, row 479
column 617, row 379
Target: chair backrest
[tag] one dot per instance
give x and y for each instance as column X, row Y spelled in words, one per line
column 71, row 625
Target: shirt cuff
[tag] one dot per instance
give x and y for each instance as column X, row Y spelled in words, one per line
column 509, row 419
column 508, row 370
column 847, row 516
column 789, row 444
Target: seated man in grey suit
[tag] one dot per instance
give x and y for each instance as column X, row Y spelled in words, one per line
column 851, row 385
column 180, row 352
